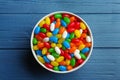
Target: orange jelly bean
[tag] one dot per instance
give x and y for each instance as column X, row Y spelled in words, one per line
column 57, row 25
column 62, row 63
column 72, row 49
column 72, row 19
column 69, row 67
column 88, row 44
column 40, row 45
column 62, row 29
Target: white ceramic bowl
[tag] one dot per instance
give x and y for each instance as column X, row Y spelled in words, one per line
column 35, row 56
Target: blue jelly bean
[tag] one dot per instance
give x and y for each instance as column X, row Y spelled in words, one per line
column 37, row 30
column 55, row 31
column 72, row 55
column 46, row 59
column 53, row 39
column 62, row 68
column 39, row 52
column 63, row 23
column 85, row 50
column 68, row 35
column 66, row 44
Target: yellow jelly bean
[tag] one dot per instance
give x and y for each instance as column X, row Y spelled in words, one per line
column 58, row 35
column 47, row 20
column 81, row 46
column 67, row 62
column 49, row 34
column 54, row 63
column 61, row 58
column 41, row 23
column 60, row 40
column 59, row 45
column 53, row 44
column 44, row 50
column 35, row 47
column 77, row 33
column 82, row 25
column 41, row 59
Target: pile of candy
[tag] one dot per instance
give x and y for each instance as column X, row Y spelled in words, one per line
column 61, row 42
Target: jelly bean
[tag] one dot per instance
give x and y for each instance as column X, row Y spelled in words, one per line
column 50, row 57
column 44, row 51
column 65, row 15
column 79, row 43
column 52, row 26
column 35, row 41
column 51, row 50
column 67, row 56
column 76, row 54
column 71, row 25
column 81, row 46
column 39, row 52
column 72, row 44
column 57, row 50
column 67, row 20
column 46, row 59
column 54, row 63
column 49, row 34
column 85, row 50
column 75, row 40
column 58, row 15
column 59, row 45
column 46, row 39
column 62, row 68
column 52, row 18
column 67, row 62
column 68, row 40
column 72, row 55
column 37, row 30
column 72, row 35
column 53, row 39
column 58, row 35
column 62, row 63
column 59, row 59
column 41, row 59
column 68, row 35
column 72, row 19
column 42, row 35
column 63, row 23
column 81, row 31
column 62, row 29
column 72, row 49
column 55, row 54
column 56, row 68
column 43, row 30
column 53, row 44
column 47, row 20
column 55, row 31
column 88, row 44
column 83, row 56
column 83, row 35
column 77, row 25
column 66, row 44
column 70, row 30
column 58, row 23
column 40, row 45
column 48, row 65
column 47, row 45
column 72, row 62
column 88, row 39
column 46, row 26
column 60, row 40
column 41, row 23
column 82, row 25
column 64, row 35
column 69, row 67
column 38, row 37
column 77, row 33
column 80, row 61
column 35, row 47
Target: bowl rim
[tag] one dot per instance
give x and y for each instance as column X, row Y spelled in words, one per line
column 35, row 56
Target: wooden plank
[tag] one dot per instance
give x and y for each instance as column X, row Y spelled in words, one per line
column 15, row 30
column 46, row 6
column 20, row 64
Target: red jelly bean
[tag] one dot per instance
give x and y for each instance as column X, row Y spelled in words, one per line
column 47, row 45
column 52, row 18
column 77, row 25
column 65, row 15
column 46, row 26
column 62, row 52
column 38, row 37
column 80, row 61
column 75, row 40
column 67, row 56
column 71, row 25
column 70, row 30
column 48, row 65
column 42, row 35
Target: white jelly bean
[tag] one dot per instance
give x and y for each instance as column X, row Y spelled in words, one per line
column 46, row 39
column 88, row 39
column 57, row 50
column 81, row 31
column 77, row 54
column 64, row 35
column 50, row 57
column 52, row 26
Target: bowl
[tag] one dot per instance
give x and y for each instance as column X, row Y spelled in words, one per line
column 72, row 61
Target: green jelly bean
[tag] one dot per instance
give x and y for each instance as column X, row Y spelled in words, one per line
column 55, row 54
column 63, row 47
column 56, row 68
column 35, row 41
column 72, row 35
column 43, row 30
column 83, row 56
column 67, row 20
column 58, row 15
column 51, row 50
column 72, row 62
column 68, row 40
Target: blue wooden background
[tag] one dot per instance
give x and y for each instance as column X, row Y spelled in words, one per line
column 18, row 17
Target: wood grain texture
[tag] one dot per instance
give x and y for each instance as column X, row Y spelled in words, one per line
column 20, row 65
column 47, row 6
